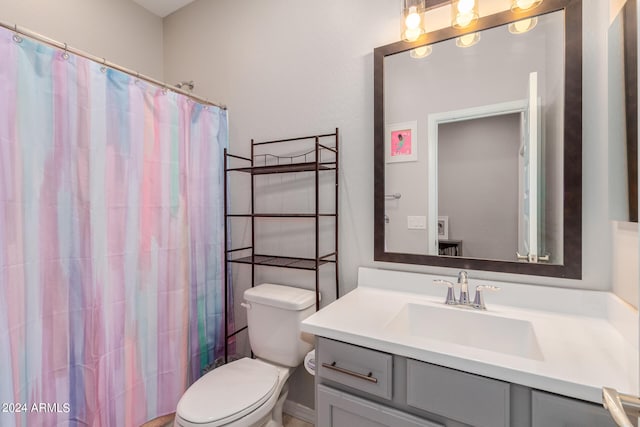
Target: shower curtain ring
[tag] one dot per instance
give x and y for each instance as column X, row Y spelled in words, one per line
column 104, row 65
column 16, row 36
column 65, row 54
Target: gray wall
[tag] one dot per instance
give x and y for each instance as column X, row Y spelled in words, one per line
column 478, row 184
column 119, row 30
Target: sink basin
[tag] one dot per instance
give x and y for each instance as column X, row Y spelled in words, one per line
column 477, row 329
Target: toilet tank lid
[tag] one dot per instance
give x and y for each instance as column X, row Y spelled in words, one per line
column 285, row 297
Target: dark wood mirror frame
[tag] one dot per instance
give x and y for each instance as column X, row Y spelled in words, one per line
column 631, row 102
column 571, row 267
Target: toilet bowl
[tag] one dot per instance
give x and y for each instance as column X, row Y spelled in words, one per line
column 251, row 392
column 244, row 393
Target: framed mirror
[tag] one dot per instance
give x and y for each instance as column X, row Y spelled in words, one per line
column 623, row 113
column 478, row 145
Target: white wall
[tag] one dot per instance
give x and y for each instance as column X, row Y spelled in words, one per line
column 488, row 150
column 288, row 68
column 119, row 30
column 595, row 220
column 624, row 271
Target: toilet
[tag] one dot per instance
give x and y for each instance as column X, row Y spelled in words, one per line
column 251, row 392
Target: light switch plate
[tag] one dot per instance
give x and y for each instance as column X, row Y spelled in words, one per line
column 417, row 222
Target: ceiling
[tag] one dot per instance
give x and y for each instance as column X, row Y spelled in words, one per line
column 162, row 8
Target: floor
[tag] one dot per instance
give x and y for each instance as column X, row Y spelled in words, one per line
column 167, row 421
column 289, row 421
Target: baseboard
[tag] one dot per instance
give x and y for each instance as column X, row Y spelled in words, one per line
column 299, row 411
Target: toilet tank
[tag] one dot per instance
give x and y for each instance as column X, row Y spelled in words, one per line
column 274, row 315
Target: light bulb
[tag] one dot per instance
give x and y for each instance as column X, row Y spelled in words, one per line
column 468, row 40
column 523, row 25
column 525, row 4
column 464, row 19
column 466, row 6
column 413, row 18
column 464, row 13
column 412, row 34
column 421, row 52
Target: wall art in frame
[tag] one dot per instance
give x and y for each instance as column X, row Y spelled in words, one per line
column 443, row 228
column 401, row 142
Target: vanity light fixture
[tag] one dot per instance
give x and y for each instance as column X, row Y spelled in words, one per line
column 463, row 13
column 523, row 25
column 421, row 52
column 468, row 40
column 412, row 22
column 522, row 5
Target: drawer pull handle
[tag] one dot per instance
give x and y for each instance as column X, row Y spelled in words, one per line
column 333, row 367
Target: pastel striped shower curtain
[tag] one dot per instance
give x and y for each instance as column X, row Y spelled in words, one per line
column 111, row 241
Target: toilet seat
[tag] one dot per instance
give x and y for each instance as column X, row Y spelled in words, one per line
column 228, row 393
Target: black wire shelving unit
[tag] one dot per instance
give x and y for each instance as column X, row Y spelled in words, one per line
column 282, row 165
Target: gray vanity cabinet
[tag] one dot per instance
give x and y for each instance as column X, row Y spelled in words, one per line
column 549, row 410
column 362, row 387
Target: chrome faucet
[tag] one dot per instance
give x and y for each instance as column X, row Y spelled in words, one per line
column 463, row 281
column 464, row 288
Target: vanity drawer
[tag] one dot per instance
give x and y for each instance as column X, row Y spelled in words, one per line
column 356, row 367
column 467, row 398
column 338, row 409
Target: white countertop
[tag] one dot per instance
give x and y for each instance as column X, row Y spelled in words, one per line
column 587, row 339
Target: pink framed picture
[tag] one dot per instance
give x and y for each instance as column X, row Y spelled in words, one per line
column 401, row 142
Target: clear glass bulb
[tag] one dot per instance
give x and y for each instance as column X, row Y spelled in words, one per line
column 468, row 40
column 522, row 26
column 420, row 52
column 464, row 19
column 412, row 34
column 525, row 4
column 466, row 6
column 413, row 18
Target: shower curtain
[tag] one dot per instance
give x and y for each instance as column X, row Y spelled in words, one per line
column 111, row 241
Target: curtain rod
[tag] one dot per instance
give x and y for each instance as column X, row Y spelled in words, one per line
column 63, row 46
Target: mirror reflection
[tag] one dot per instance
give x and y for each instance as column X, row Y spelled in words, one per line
column 474, row 145
column 623, row 109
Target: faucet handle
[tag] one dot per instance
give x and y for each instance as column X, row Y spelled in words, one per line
column 451, row 297
column 478, row 300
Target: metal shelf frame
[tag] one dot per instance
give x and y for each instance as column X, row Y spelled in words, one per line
column 316, row 167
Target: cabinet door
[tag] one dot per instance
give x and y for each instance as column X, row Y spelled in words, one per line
column 339, row 409
column 549, row 410
column 460, row 396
